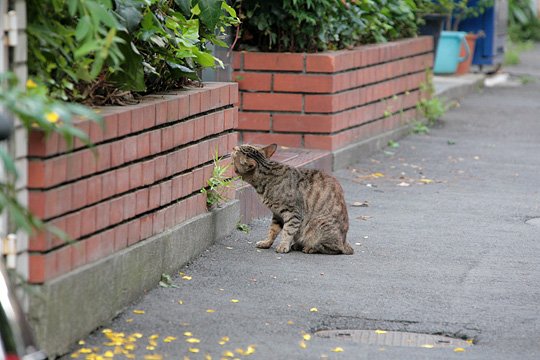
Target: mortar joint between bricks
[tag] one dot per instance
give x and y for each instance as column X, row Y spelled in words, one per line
column 304, row 60
column 272, row 82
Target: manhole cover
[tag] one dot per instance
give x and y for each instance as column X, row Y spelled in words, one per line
column 395, row 338
column 533, row 221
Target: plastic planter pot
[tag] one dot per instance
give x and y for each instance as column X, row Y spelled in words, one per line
column 448, row 50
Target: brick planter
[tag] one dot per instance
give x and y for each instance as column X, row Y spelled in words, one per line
column 330, row 100
column 149, row 164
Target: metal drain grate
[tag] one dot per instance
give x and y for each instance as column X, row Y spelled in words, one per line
column 394, row 338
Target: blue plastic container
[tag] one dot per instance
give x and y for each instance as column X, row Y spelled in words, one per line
column 447, row 57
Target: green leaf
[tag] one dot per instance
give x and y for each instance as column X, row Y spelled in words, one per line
column 130, row 17
column 185, row 7
column 8, row 163
column 86, row 48
column 210, row 12
column 204, row 58
column 83, row 28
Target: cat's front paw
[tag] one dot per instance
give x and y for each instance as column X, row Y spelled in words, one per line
column 283, row 248
column 264, row 244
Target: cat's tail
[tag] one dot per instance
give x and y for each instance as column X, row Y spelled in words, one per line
column 347, row 249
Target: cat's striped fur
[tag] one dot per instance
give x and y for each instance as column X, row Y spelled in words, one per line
column 307, row 204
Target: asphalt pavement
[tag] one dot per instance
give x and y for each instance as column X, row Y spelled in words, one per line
column 442, row 247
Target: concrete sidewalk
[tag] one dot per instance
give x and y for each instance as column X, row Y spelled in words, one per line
column 442, row 248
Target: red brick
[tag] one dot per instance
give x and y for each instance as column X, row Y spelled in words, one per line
column 63, row 260
column 137, row 119
column 209, row 124
column 170, row 219
column 41, row 267
column 130, row 148
column 37, row 201
column 120, row 237
column 322, row 103
column 183, row 107
column 198, row 181
column 96, row 131
column 272, row 102
column 103, row 215
column 78, row 254
column 146, row 226
column 59, row 170
column 222, row 146
column 180, row 211
column 187, row 184
column 154, row 196
column 253, row 121
column 143, row 145
column 88, row 220
column 107, row 243
column 103, row 159
column 304, row 83
column 166, row 192
column 233, row 94
column 73, row 223
column 148, row 170
column 84, row 126
column 141, row 197
column 232, row 140
column 179, row 134
column 110, row 123
column 124, row 123
column 122, row 180
column 36, row 174
column 160, row 167
column 198, row 128
column 130, row 205
column 93, row 248
column 229, row 118
column 303, row 123
column 172, row 110
column 117, row 153
column 161, row 112
column 253, row 81
column 176, row 187
column 158, row 222
column 116, row 210
column 63, row 200
column 219, row 125
column 237, row 58
column 78, row 194
column 193, row 156
column 93, row 189
column 291, row 140
column 155, row 142
column 189, row 129
column 194, row 103
column 323, row 142
column 37, row 143
column 321, row 63
column 108, row 183
column 167, row 138
column 273, row 61
column 206, row 100
column 149, row 116
column 134, row 232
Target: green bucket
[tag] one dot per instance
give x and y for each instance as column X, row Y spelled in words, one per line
column 447, row 57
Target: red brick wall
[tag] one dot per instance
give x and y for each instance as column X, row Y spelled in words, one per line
column 150, row 162
column 329, row 100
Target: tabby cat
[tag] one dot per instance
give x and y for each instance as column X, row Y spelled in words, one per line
column 307, row 204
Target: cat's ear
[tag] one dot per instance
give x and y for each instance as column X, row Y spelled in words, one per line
column 269, row 150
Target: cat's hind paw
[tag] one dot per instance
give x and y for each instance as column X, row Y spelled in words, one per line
column 263, row 244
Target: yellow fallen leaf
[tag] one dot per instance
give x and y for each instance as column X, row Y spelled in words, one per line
column 180, row 302
column 82, row 342
column 129, row 320
column 426, row 181
column 250, row 350
column 302, row 344
column 210, row 311
column 181, row 273
column 290, row 322
column 106, row 331
column 75, row 355
column 470, row 341
column 108, row 354
column 137, row 335
column 235, row 300
column 228, row 354
column 427, row 346
column 168, row 339
column 150, row 347
column 239, row 351
column 207, row 357
column 186, row 277
column 380, row 332
column 130, row 356
column 152, row 343
column 225, row 338
column 193, row 341
column 222, row 342
column 138, row 312
column 459, row 350
column 377, row 175
column 187, row 333
column 193, row 350
column 313, row 309
column 153, row 336
column 129, row 347
column 337, row 349
column 186, row 357
column 153, row 357
column 85, row 351
column 306, row 337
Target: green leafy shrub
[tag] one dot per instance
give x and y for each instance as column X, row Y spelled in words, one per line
column 309, row 25
column 100, row 51
column 523, row 24
column 217, row 183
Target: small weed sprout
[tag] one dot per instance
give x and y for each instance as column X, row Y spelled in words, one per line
column 217, row 183
column 243, row 227
column 431, row 107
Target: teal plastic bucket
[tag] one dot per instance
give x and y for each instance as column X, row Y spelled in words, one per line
column 447, row 57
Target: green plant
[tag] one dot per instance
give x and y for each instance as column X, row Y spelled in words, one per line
column 36, row 111
column 243, row 227
column 432, row 109
column 217, row 183
column 393, row 144
column 454, row 10
column 523, row 23
column 420, row 128
column 309, row 25
column 100, row 51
